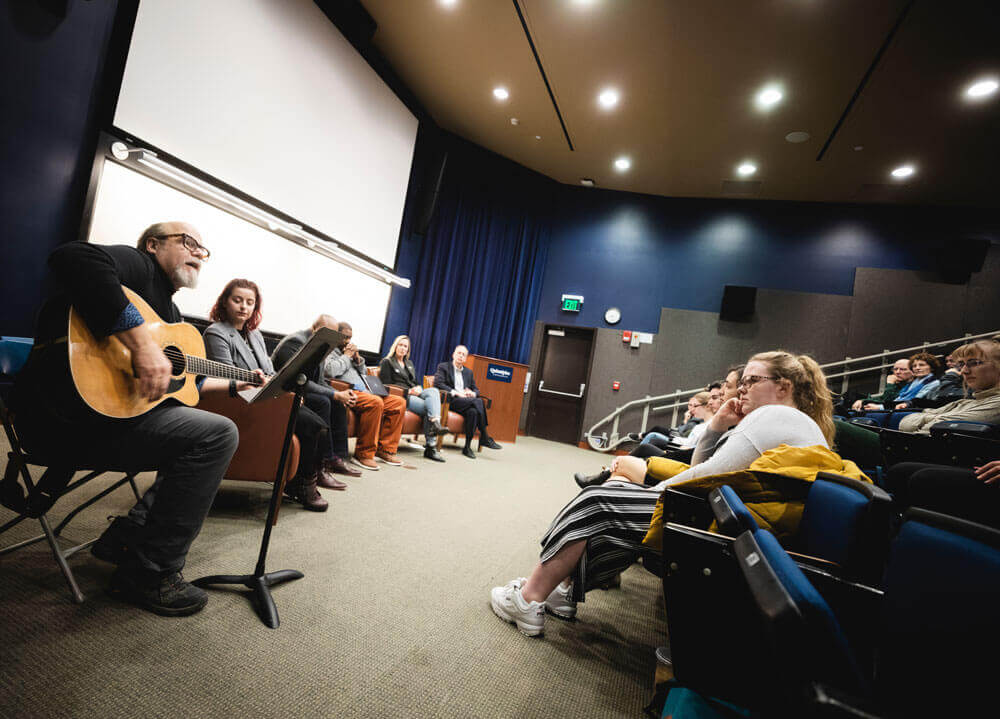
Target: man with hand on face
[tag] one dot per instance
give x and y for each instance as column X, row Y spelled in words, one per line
column 380, row 419
column 456, row 379
column 190, row 448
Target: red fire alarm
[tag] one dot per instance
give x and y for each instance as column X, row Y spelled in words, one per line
column 616, row 386
column 626, row 335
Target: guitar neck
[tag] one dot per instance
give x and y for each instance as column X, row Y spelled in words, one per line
column 210, row 368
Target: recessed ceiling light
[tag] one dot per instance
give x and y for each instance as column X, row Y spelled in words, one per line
column 448, row 3
column 623, row 163
column 586, row 182
column 859, row 148
column 903, row 171
column 797, row 136
column 538, row 137
column 608, row 98
column 500, row 92
column 746, row 169
column 981, row 88
column 769, row 96
column 514, row 121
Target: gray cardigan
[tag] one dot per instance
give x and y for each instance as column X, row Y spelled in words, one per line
column 224, row 343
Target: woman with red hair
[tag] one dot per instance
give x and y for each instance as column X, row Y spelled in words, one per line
column 233, row 338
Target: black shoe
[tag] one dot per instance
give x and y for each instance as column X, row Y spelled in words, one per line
column 432, row 453
column 467, row 451
column 489, row 443
column 594, row 479
column 436, row 429
column 112, row 546
column 168, row 596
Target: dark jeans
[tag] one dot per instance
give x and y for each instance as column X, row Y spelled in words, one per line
column 474, row 412
column 321, row 400
column 314, row 441
column 949, row 490
column 189, row 448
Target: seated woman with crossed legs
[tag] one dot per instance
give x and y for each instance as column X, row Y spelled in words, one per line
column 233, row 338
column 782, row 399
column 396, row 368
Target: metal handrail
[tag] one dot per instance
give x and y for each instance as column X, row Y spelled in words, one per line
column 610, row 443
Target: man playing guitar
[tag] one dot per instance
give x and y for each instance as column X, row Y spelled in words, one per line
column 189, row 448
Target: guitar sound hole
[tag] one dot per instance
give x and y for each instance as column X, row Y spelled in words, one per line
column 176, row 357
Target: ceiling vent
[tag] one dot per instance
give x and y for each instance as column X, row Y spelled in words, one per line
column 741, row 188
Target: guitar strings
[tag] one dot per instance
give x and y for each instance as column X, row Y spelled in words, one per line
column 201, row 365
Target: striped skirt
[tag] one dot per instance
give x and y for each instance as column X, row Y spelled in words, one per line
column 613, row 519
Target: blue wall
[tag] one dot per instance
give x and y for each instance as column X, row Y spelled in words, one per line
column 640, row 252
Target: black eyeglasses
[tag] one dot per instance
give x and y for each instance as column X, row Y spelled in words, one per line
column 192, row 245
column 971, row 364
column 751, row 379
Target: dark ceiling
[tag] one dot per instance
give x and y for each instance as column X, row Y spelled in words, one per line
column 875, row 84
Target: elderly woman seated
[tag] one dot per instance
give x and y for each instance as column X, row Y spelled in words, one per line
column 782, row 400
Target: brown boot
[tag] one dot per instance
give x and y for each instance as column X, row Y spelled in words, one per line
column 304, row 491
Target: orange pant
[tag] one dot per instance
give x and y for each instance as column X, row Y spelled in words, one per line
column 380, row 423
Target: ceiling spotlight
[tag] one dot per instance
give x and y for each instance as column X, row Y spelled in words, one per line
column 769, row 96
column 448, row 3
column 608, row 98
column 746, row 169
column 859, row 148
column 797, row 136
column 514, row 121
column 500, row 92
column 903, row 171
column 586, row 182
column 538, row 137
column 982, row 88
column 623, row 163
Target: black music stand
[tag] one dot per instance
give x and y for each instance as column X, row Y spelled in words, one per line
column 292, row 377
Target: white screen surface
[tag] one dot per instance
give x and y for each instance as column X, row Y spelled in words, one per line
column 269, row 97
column 296, row 284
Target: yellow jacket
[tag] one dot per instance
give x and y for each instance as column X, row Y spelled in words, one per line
column 773, row 487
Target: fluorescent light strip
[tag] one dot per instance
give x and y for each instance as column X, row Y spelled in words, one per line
column 330, row 250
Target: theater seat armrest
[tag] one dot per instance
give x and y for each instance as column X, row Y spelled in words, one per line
column 396, row 390
column 486, row 401
column 339, row 385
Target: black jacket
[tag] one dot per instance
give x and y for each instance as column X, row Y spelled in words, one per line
column 88, row 277
column 391, row 373
column 444, row 378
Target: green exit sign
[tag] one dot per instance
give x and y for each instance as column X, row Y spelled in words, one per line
column 572, row 303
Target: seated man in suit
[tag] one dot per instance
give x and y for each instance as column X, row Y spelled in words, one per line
column 325, row 401
column 380, row 419
column 455, row 378
column 189, row 448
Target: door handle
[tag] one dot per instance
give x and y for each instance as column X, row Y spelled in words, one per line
column 541, row 388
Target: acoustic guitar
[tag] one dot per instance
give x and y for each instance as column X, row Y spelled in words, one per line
column 102, row 369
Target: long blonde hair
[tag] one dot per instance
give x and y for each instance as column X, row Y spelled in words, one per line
column 392, row 349
column 809, row 391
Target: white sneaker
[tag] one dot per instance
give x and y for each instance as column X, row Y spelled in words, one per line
column 509, row 605
column 560, row 602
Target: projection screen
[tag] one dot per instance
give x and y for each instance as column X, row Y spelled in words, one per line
column 270, row 98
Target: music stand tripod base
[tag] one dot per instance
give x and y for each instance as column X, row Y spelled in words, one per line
column 259, row 582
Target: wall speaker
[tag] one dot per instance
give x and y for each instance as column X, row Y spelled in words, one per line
column 738, row 303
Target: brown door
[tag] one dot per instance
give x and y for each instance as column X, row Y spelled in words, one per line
column 561, row 386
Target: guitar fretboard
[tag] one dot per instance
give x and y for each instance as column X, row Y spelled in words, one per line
column 210, row 368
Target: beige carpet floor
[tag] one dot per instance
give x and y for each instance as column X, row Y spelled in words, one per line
column 392, row 617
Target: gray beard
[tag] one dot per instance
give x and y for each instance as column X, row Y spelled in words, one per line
column 185, row 276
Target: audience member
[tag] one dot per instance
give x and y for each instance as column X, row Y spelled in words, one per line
column 190, row 448
column 950, row 387
column 396, row 368
column 782, row 399
column 924, row 367
column 380, row 419
column 979, row 363
column 897, row 380
column 324, row 400
column 457, row 380
column 233, row 339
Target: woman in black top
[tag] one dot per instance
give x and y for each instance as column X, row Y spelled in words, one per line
column 397, row 369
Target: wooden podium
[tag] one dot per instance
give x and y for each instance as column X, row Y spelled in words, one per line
column 503, row 383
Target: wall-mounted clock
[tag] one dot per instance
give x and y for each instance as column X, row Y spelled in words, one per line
column 612, row 315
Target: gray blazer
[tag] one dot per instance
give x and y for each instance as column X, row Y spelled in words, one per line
column 223, row 343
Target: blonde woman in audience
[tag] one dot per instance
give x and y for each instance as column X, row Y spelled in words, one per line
column 781, row 399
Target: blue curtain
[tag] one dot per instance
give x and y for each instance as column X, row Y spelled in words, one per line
column 482, row 262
